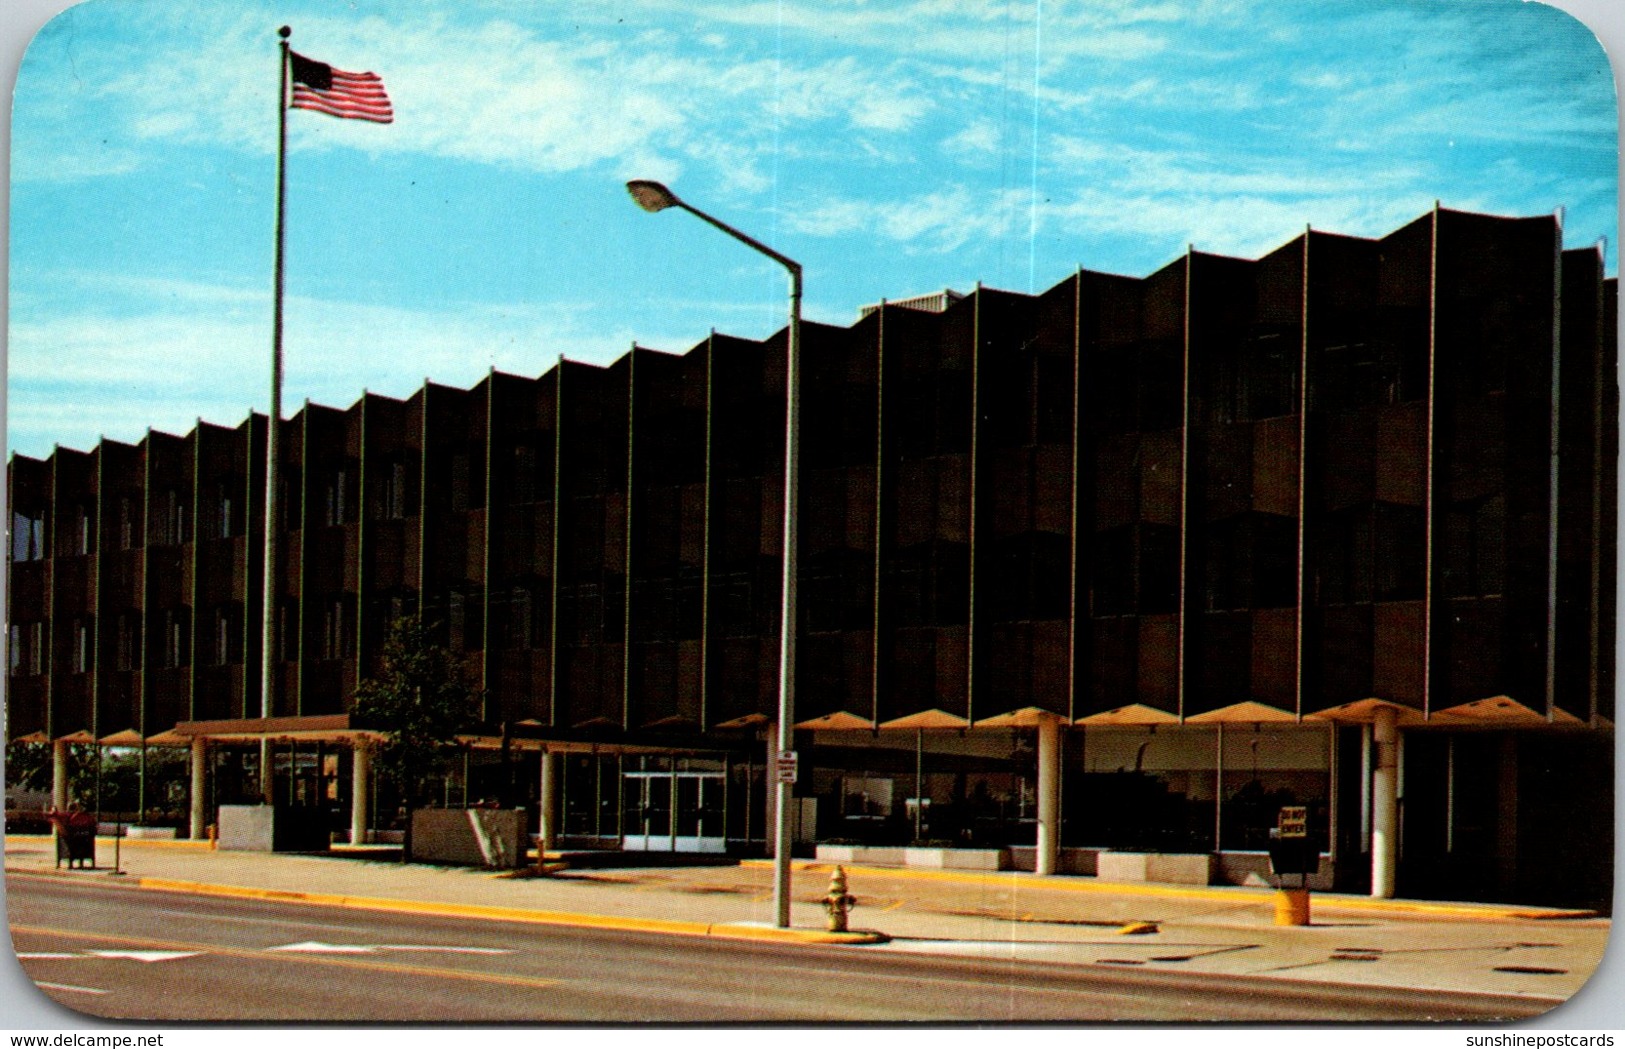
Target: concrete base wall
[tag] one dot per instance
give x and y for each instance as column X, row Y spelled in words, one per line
column 1190, row 868
column 469, row 837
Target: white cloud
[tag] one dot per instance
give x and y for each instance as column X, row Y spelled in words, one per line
column 204, row 350
column 977, row 140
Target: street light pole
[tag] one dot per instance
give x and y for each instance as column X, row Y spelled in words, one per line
column 653, row 197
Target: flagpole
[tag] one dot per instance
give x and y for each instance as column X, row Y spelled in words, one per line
column 268, row 660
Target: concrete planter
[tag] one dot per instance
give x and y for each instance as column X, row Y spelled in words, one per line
column 910, row 856
column 138, row 832
column 469, row 837
column 875, row 855
column 955, row 859
column 1172, row 868
column 246, row 828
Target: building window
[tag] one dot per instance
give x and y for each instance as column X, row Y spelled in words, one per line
column 333, row 630
column 81, row 656
column 126, row 523
column 1369, row 373
column 524, row 474
column 223, row 516
column 1473, row 547
column 25, row 642
column 285, row 641
column 174, row 638
column 465, row 621
column 1268, row 382
column 519, row 619
column 83, row 530
column 333, row 508
column 394, row 494
column 460, row 481
column 174, row 520
column 1250, row 562
column 27, row 537
column 224, row 635
column 125, row 642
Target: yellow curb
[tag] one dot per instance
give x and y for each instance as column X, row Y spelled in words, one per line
column 512, row 914
column 1237, row 894
column 106, row 841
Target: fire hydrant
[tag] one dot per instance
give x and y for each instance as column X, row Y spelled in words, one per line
column 838, row 901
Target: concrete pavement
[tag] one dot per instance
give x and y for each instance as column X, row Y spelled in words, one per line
column 1541, row 953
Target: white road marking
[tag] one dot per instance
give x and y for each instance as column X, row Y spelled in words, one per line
column 68, row 987
column 145, row 956
column 36, row 955
column 441, row 950
column 317, row 947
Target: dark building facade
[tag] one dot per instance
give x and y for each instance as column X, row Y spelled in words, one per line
column 1205, row 522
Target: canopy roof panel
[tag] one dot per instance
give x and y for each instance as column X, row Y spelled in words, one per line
column 1249, row 711
column 836, row 722
column 1133, row 714
column 925, row 719
column 1504, row 710
column 1026, row 717
column 1364, row 712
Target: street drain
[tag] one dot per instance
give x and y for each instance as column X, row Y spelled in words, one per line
column 1173, row 957
column 1530, row 970
column 1356, row 956
column 1121, row 961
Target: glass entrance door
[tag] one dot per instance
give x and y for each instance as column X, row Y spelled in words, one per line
column 698, row 826
column 674, row 812
column 647, row 818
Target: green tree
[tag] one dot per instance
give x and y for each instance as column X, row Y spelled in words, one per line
column 29, row 767
column 419, row 701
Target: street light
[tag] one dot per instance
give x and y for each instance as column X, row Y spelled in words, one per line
column 653, row 197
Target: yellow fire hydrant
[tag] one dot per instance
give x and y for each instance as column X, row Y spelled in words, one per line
column 838, row 901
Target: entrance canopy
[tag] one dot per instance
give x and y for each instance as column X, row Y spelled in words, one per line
column 320, row 728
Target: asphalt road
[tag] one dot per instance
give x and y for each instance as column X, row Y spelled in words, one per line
column 128, row 954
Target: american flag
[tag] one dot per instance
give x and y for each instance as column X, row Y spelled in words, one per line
column 352, row 96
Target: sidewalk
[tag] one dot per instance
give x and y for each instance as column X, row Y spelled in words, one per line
column 1541, row 953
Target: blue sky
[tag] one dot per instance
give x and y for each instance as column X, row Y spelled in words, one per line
column 893, row 148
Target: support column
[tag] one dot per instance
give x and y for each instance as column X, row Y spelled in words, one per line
column 360, row 791
column 200, row 795
column 1049, row 797
column 59, row 775
column 1384, row 802
column 548, row 803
